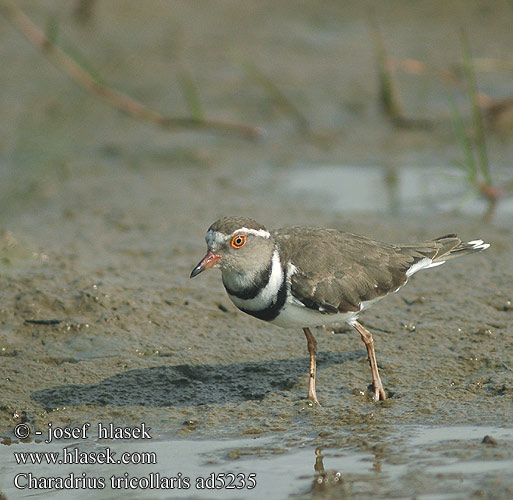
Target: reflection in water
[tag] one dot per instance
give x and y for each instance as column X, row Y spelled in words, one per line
column 326, row 479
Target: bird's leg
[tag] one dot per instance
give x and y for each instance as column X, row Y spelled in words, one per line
column 312, row 350
column 379, row 392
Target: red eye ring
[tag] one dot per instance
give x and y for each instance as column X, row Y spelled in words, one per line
column 238, row 241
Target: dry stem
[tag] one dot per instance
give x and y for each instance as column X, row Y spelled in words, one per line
column 113, row 97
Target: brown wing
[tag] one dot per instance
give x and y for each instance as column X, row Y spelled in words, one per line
column 336, row 271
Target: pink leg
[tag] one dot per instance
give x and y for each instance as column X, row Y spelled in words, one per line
column 312, row 349
column 379, row 392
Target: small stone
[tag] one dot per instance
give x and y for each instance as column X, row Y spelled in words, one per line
column 489, row 440
column 409, row 327
column 234, row 454
column 417, row 300
column 190, row 424
column 484, row 331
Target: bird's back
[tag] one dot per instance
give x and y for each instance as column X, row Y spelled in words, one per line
column 336, row 271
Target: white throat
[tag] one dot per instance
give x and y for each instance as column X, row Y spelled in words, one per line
column 268, row 294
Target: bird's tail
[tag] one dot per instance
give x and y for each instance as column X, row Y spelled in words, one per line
column 435, row 252
column 450, row 247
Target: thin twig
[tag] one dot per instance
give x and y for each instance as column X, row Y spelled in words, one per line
column 119, row 100
column 416, row 67
column 490, row 106
column 490, row 211
column 44, row 321
column 497, row 107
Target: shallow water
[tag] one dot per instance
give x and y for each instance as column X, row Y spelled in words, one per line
column 397, row 190
column 421, row 461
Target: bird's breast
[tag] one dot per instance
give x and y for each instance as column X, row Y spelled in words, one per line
column 263, row 299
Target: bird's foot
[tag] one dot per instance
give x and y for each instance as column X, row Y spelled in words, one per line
column 312, row 398
column 379, row 392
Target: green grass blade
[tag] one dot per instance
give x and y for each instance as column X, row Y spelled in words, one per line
column 469, row 163
column 387, row 93
column 477, row 118
column 191, row 95
column 52, row 30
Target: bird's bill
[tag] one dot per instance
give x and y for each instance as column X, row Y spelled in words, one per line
column 208, row 261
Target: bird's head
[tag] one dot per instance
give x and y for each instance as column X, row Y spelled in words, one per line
column 239, row 246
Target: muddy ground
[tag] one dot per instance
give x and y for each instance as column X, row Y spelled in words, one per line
column 102, row 219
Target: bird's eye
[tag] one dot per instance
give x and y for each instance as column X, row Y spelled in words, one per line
column 238, row 241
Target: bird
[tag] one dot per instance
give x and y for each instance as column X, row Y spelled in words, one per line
column 307, row 276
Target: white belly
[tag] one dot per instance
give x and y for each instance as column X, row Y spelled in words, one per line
column 296, row 315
